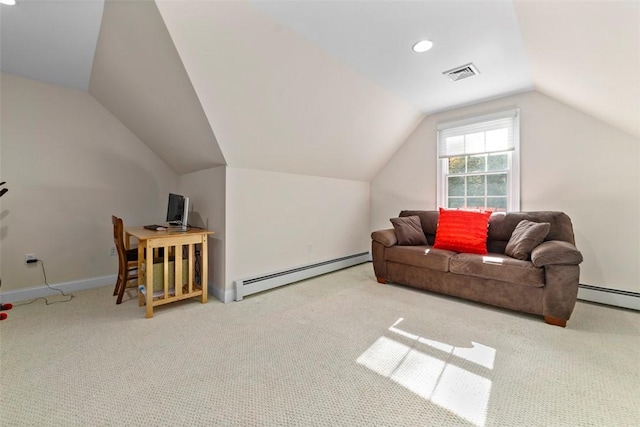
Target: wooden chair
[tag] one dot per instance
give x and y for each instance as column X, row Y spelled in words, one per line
column 127, row 260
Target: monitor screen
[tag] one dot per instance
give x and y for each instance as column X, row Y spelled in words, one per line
column 175, row 209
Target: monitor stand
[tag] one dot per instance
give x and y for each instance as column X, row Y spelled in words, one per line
column 177, row 226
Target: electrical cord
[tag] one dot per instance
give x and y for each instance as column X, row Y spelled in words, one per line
column 46, row 301
column 196, row 266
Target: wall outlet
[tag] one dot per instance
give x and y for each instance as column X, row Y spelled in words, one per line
column 29, row 257
column 112, row 251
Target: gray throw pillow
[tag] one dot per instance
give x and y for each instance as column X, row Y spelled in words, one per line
column 526, row 236
column 409, row 231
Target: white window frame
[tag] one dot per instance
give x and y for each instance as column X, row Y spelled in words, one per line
column 513, row 175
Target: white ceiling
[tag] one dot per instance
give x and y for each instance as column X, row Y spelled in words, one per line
column 50, row 40
column 284, row 104
column 139, row 77
column 584, row 53
column 375, row 38
column 55, row 40
column 587, row 55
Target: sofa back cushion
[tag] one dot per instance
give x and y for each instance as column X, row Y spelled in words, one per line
column 502, row 224
column 429, row 222
column 409, row 231
column 525, row 237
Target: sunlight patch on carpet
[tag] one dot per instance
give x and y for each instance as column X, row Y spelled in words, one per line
column 435, row 378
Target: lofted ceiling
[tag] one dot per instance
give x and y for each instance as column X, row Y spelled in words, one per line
column 328, row 88
column 50, row 40
column 139, row 77
column 375, row 38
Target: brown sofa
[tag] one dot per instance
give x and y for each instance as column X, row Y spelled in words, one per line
column 545, row 284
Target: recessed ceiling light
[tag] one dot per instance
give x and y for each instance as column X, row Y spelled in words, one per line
column 422, row 46
column 8, row 2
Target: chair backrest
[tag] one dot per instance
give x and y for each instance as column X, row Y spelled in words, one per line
column 118, row 240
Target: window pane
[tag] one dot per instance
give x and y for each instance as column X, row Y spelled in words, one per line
column 476, row 163
column 479, row 162
column 497, row 185
column 497, row 162
column 456, row 202
column 456, row 186
column 475, row 185
column 475, row 202
column 456, row 164
column 497, row 203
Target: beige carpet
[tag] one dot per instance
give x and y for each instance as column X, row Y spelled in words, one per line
column 337, row 350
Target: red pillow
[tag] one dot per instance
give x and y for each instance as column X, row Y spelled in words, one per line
column 462, row 231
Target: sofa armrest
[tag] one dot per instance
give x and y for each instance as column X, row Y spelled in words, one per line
column 555, row 252
column 385, row 237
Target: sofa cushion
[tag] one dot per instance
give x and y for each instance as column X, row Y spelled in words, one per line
column 409, row 231
column 497, row 267
column 420, row 256
column 526, row 236
column 555, row 252
column 428, row 220
column 502, row 224
column 462, row 231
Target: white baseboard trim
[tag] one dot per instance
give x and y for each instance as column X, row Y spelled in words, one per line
column 249, row 286
column 81, row 285
column 66, row 287
column 223, row 295
column 615, row 297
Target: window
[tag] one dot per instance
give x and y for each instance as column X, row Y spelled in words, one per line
column 478, row 162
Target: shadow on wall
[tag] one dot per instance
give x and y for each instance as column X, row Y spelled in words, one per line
column 195, row 220
column 587, row 247
column 3, row 229
column 215, row 247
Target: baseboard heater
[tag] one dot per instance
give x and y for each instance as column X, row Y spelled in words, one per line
column 616, row 297
column 245, row 287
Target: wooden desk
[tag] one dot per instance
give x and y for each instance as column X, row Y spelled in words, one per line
column 175, row 243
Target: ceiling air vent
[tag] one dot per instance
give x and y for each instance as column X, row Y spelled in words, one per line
column 462, row 72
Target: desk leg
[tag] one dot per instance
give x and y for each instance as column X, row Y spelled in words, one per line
column 149, row 284
column 140, row 275
column 204, row 269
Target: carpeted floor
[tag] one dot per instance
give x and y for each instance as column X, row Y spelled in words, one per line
column 337, row 350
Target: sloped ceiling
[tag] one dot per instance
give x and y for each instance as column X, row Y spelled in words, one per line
column 139, row 77
column 278, row 102
column 375, row 38
column 328, row 88
column 52, row 41
column 586, row 54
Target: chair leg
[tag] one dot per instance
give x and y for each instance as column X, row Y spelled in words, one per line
column 120, row 294
column 123, row 285
column 117, row 287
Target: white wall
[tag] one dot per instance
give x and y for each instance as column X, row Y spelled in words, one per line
column 69, row 165
column 206, row 190
column 278, row 221
column 570, row 162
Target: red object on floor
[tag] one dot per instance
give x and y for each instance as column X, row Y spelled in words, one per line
column 3, row 316
column 4, row 307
